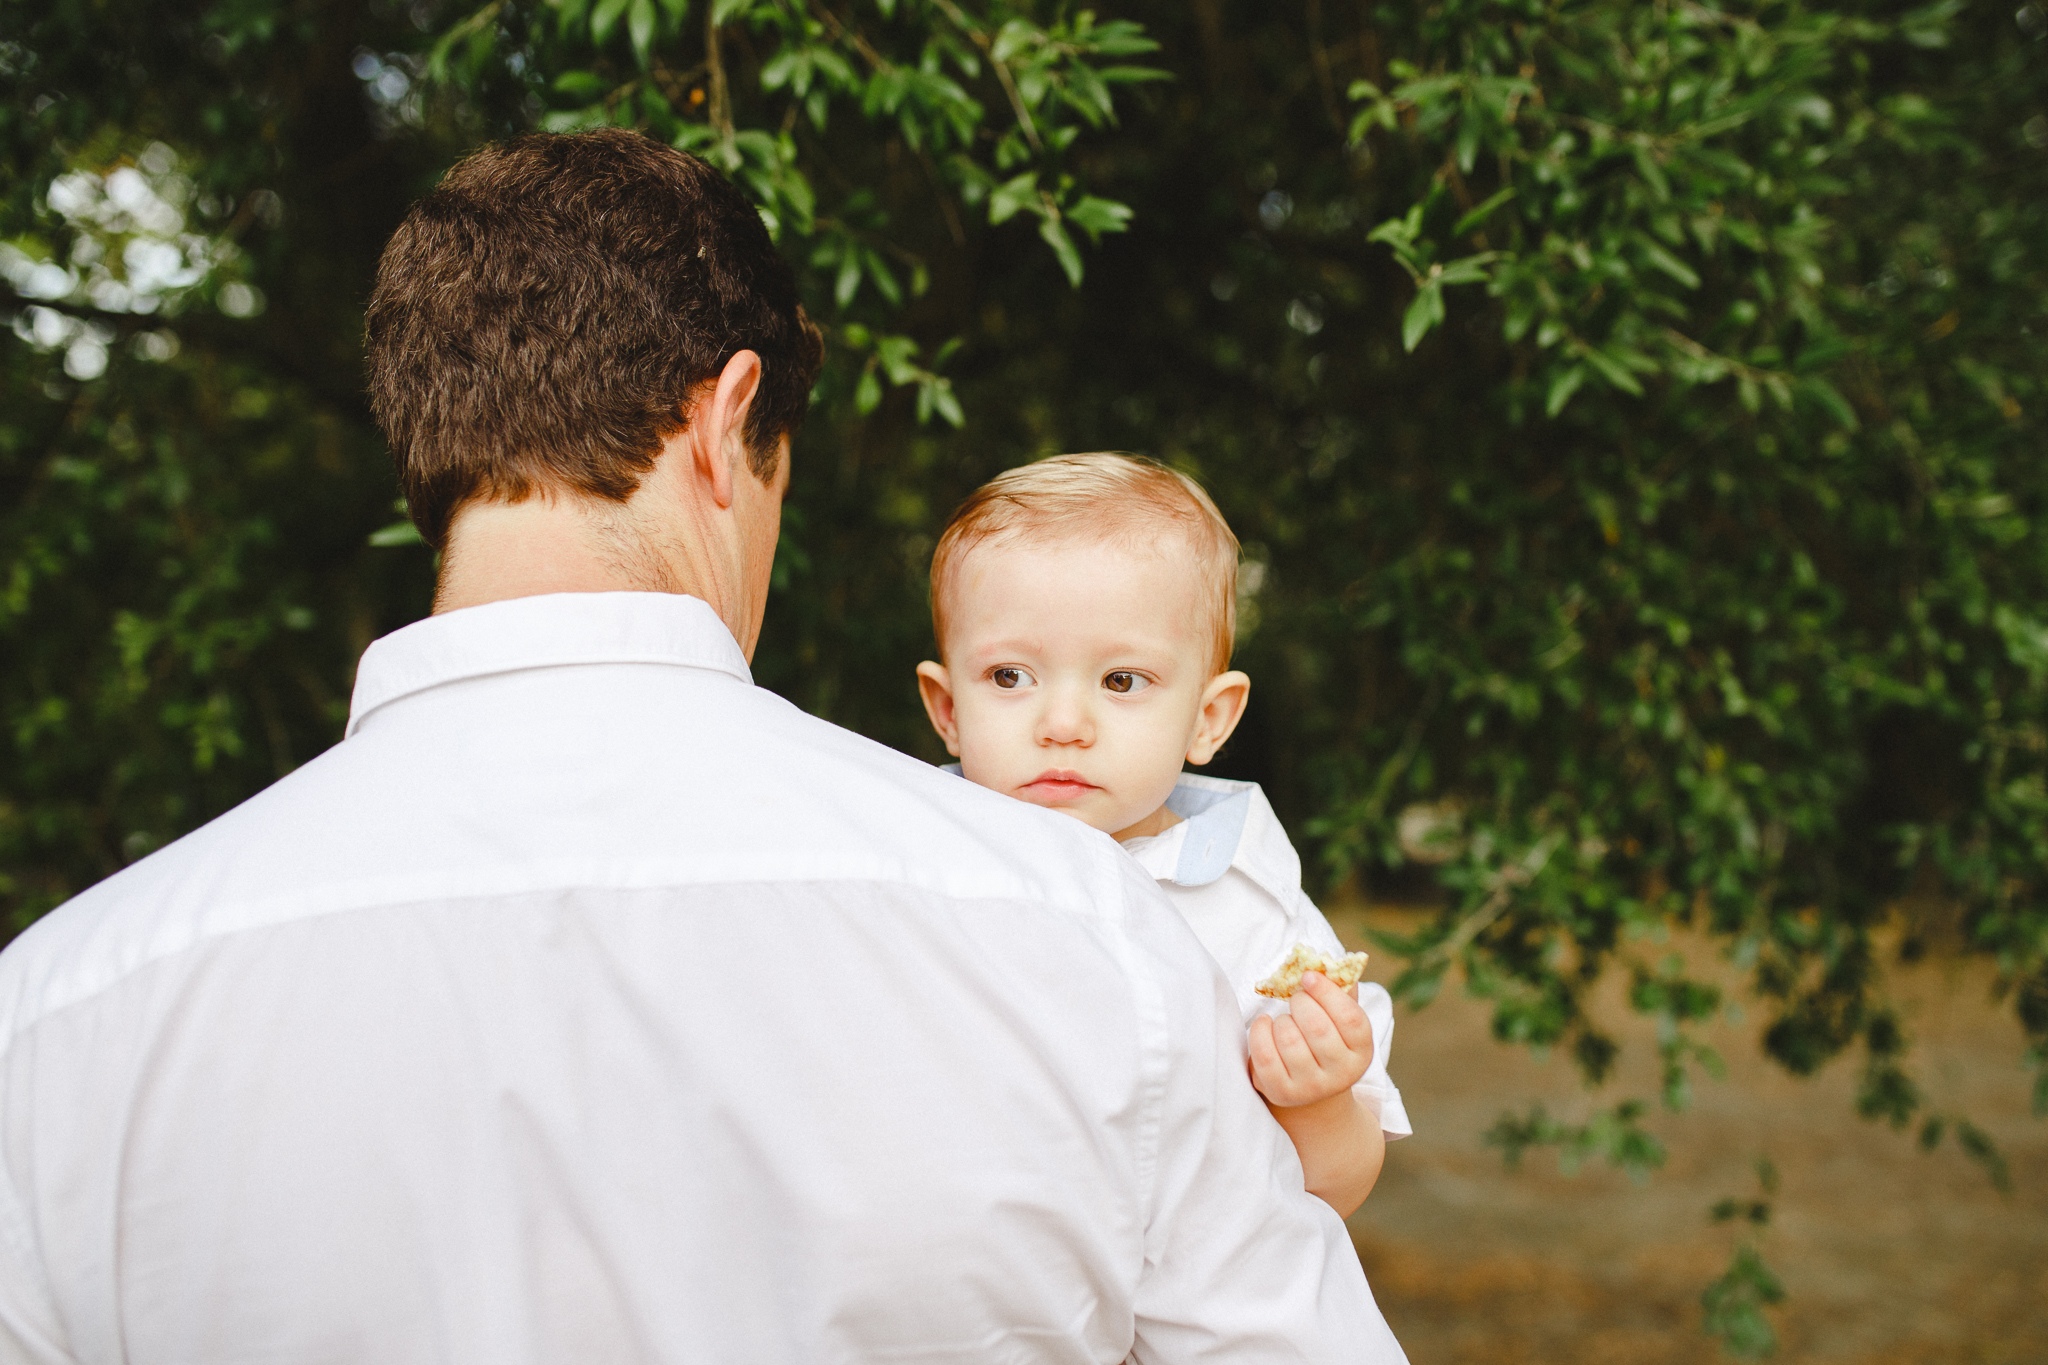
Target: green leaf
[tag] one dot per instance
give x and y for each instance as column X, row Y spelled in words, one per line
column 1055, row 235
column 1652, row 173
column 1734, row 1306
column 1425, row 311
column 398, row 533
column 574, row 120
column 847, row 284
column 1013, row 195
column 948, row 403
column 867, row 394
column 1468, row 141
column 1482, row 211
column 604, row 18
column 884, row 278
column 1099, row 215
column 1663, row 260
column 1467, row 269
column 1398, row 232
column 640, row 19
column 581, row 86
column 787, row 67
column 1013, row 39
column 898, row 355
column 1521, row 313
column 1562, row 386
column 1613, row 371
column 1121, row 38
column 1830, row 401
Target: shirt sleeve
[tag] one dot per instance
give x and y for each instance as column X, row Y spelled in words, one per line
column 1240, row 1263
column 1376, row 1088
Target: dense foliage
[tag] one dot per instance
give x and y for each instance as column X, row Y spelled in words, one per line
column 1633, row 412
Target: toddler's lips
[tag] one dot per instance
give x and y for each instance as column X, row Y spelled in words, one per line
column 1057, row 785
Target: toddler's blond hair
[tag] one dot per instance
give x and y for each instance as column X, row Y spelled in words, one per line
column 1107, row 497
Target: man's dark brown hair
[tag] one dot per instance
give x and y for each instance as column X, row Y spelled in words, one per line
column 540, row 319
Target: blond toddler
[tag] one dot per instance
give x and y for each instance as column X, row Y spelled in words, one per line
column 1085, row 613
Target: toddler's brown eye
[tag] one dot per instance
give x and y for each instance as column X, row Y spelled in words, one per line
column 1120, row 682
column 1008, row 678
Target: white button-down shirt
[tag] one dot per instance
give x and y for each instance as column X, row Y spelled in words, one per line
column 588, row 1003
column 1231, row 870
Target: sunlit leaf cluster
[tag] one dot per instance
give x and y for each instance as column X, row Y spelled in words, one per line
column 986, row 100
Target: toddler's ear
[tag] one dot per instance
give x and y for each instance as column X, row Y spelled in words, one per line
column 1223, row 702
column 936, row 688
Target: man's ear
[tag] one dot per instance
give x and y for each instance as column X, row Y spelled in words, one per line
column 717, row 424
column 1223, row 702
column 936, row 687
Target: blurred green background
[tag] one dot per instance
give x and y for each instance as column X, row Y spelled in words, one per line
column 1633, row 414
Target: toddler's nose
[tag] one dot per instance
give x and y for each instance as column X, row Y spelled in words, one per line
column 1065, row 721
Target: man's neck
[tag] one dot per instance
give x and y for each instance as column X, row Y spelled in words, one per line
column 545, row 544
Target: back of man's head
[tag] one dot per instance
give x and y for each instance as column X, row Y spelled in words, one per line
column 541, row 319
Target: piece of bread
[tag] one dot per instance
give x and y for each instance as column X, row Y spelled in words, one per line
column 1343, row 971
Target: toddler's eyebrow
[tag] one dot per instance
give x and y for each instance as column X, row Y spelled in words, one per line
column 1022, row 645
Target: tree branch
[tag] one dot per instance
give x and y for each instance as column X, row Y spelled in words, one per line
column 720, row 112
column 1002, row 70
column 212, row 333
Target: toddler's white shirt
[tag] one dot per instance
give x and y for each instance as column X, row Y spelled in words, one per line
column 1229, row 868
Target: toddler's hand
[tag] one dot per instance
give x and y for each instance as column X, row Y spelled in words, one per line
column 1320, row 1048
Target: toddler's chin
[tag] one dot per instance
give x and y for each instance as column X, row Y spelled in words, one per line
column 1092, row 819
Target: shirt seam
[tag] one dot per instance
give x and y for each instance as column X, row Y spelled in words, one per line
column 1155, row 1050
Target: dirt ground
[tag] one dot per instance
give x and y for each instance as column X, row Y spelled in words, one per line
column 1889, row 1256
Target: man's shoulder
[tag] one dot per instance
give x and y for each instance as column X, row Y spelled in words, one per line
column 141, row 913
column 765, row 795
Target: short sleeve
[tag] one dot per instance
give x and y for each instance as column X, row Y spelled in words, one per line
column 1376, row 1089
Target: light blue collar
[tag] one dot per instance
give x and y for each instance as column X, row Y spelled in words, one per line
column 1215, row 827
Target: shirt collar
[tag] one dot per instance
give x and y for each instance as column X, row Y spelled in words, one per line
column 1223, row 825
column 544, row 632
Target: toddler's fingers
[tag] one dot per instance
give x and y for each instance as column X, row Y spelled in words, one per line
column 1269, row 1071
column 1301, row 1060
column 1259, row 1042
column 1346, row 1015
column 1313, row 1021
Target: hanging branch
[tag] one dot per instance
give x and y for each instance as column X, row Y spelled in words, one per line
column 720, row 112
column 1001, row 68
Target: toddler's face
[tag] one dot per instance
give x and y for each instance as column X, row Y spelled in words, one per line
column 1078, row 677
